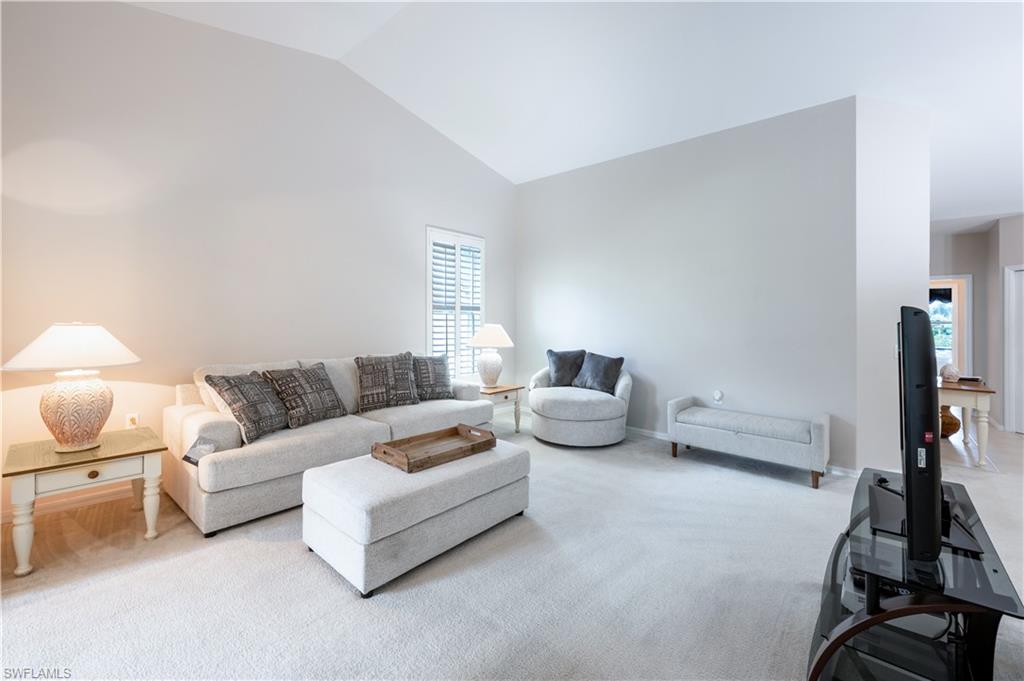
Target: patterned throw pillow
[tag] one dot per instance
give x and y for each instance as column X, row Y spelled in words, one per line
column 432, row 379
column 307, row 393
column 386, row 381
column 253, row 403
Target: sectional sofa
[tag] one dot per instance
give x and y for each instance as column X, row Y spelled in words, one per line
column 240, row 482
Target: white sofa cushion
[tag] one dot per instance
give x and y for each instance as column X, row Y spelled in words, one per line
column 751, row 424
column 368, row 499
column 576, row 404
column 430, row 415
column 290, row 451
column 211, row 398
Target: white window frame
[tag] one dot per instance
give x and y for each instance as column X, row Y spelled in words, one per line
column 459, row 239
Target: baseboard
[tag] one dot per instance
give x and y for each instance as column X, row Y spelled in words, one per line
column 643, row 432
column 64, row 502
column 842, row 472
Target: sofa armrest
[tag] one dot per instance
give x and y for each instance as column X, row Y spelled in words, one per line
column 186, row 394
column 677, row 405
column 464, row 390
column 624, row 386
column 820, row 433
column 211, row 424
column 174, row 417
column 541, row 379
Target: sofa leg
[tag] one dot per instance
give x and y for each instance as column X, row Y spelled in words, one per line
column 815, row 476
column 207, row 535
column 368, row 594
column 521, row 513
column 675, row 448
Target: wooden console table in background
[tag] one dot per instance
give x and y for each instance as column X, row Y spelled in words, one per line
column 970, row 395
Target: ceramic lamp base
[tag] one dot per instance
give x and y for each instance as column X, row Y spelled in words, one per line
column 75, row 409
column 488, row 364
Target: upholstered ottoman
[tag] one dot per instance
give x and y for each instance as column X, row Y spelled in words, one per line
column 372, row 522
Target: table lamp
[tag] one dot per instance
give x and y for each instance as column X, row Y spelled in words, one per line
column 490, row 337
column 77, row 405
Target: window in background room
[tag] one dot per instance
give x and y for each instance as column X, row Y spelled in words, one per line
column 949, row 311
column 455, row 290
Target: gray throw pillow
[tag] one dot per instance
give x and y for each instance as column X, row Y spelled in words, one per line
column 254, row 404
column 564, row 365
column 432, row 379
column 386, row 381
column 599, row 373
column 307, row 394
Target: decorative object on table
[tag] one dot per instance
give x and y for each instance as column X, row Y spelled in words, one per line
column 503, row 394
column 950, row 373
column 564, row 365
column 420, row 452
column 950, row 423
column 598, row 373
column 36, row 470
column 386, row 381
column 200, row 448
column 77, row 405
column 252, row 402
column 490, row 337
column 433, row 381
column 307, row 393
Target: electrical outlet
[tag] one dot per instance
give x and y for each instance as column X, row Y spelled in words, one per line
column 131, row 421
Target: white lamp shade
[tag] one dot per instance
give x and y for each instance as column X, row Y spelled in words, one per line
column 72, row 345
column 491, row 336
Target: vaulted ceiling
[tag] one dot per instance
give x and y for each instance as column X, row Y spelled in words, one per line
column 537, row 89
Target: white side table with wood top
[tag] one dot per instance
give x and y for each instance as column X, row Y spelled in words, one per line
column 36, row 470
column 970, row 395
column 503, row 394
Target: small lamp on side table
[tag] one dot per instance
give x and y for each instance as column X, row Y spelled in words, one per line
column 78, row 404
column 490, row 337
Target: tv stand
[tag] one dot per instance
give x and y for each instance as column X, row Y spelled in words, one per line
column 884, row 616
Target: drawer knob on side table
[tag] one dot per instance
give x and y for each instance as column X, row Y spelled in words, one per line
column 93, row 475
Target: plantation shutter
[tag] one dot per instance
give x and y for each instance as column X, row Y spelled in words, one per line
column 456, row 312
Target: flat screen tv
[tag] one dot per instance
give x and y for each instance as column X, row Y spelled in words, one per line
column 920, row 432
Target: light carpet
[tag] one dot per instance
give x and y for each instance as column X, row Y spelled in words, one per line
column 628, row 564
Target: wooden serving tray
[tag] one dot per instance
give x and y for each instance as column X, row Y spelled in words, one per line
column 421, row 452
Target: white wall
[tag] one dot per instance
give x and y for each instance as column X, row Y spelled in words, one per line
column 723, row 262
column 209, row 197
column 893, row 199
column 768, row 261
column 1006, row 248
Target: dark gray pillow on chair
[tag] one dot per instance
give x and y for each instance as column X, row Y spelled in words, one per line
column 563, row 366
column 599, row 373
column 432, row 379
column 253, row 404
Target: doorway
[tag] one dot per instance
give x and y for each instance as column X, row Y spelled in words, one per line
column 1013, row 350
column 949, row 306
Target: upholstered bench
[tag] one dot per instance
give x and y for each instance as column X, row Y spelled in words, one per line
column 792, row 442
column 372, row 522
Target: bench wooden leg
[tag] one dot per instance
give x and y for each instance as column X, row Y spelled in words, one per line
column 815, row 476
column 675, row 448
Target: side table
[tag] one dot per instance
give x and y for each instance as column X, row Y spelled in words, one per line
column 36, row 470
column 503, row 394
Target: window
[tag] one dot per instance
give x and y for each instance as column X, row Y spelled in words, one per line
column 950, row 311
column 455, row 290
